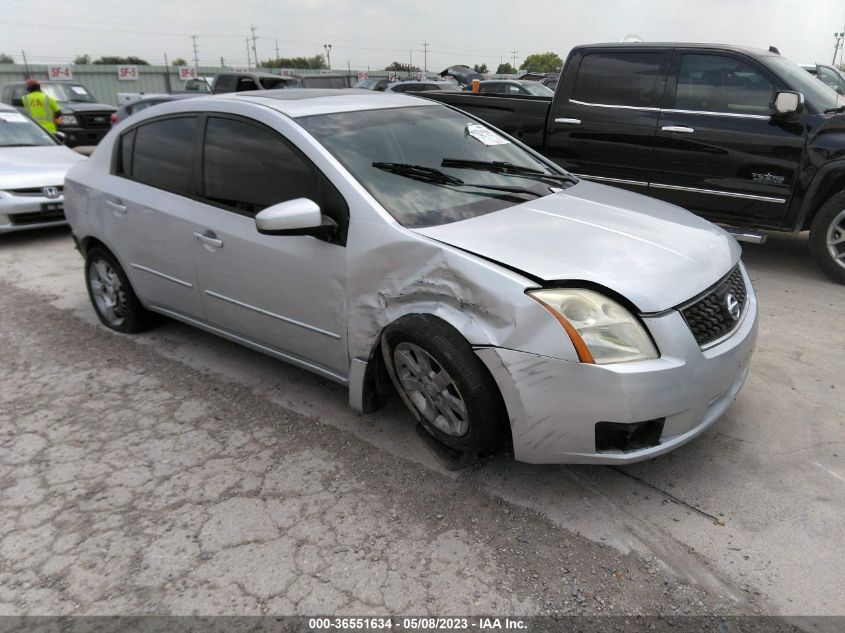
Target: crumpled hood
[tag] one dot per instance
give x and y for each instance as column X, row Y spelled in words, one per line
column 25, row 167
column 655, row 254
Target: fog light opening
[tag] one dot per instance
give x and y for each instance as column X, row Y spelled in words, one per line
column 620, row 437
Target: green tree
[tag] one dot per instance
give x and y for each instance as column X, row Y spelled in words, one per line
column 179, row 61
column 505, row 69
column 316, row 62
column 113, row 60
column 405, row 68
column 82, row 60
column 480, row 68
column 542, row 63
column 6, row 59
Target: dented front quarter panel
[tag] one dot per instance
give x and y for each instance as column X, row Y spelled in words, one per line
column 393, row 272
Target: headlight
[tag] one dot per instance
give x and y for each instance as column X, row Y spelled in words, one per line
column 602, row 330
column 69, row 119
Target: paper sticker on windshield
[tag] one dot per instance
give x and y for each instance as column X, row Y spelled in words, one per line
column 79, row 90
column 485, row 135
column 12, row 117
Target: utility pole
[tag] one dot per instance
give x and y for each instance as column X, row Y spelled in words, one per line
column 25, row 64
column 222, row 63
column 254, row 52
column 514, row 58
column 167, row 75
column 328, row 49
column 277, row 48
column 425, row 57
column 248, row 60
column 196, row 59
column 840, row 36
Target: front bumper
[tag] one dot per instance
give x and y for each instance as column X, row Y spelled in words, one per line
column 25, row 212
column 77, row 135
column 554, row 405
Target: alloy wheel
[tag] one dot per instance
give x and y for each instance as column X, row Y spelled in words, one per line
column 430, row 389
column 836, row 238
column 107, row 291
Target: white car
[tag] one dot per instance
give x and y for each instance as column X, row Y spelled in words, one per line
column 376, row 238
column 32, row 170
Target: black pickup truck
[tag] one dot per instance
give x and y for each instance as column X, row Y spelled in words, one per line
column 84, row 121
column 743, row 137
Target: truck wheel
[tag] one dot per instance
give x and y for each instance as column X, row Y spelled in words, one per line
column 444, row 384
column 111, row 295
column 827, row 237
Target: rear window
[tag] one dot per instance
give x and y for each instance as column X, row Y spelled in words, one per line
column 624, row 78
column 161, row 154
column 225, row 83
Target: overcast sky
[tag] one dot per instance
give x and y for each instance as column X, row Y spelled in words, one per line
column 376, row 32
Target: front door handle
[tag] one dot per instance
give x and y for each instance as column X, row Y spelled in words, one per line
column 119, row 209
column 569, row 121
column 209, row 238
column 678, row 128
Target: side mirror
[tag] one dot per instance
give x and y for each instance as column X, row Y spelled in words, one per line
column 787, row 102
column 61, row 137
column 295, row 217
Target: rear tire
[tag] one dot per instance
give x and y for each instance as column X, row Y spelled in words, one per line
column 444, row 384
column 827, row 237
column 111, row 294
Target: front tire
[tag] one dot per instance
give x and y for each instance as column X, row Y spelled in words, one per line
column 827, row 237
column 444, row 384
column 111, row 294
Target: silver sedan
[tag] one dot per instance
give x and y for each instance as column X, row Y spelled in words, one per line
column 32, row 169
column 381, row 239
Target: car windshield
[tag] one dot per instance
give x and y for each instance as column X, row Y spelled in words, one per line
column 430, row 165
column 68, row 92
column 367, row 84
column 538, row 90
column 16, row 130
column 814, row 91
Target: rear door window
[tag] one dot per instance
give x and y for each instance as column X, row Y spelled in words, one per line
column 246, row 83
column 718, row 83
column 619, row 78
column 162, row 153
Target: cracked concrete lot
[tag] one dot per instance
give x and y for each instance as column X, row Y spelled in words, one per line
column 175, row 473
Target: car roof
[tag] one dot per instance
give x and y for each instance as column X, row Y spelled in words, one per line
column 727, row 47
column 300, row 102
column 251, row 73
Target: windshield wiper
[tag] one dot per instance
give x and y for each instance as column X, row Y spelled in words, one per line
column 506, row 169
column 436, row 177
column 419, row 172
column 837, row 110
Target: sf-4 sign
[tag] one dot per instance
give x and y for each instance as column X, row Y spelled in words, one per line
column 127, row 72
column 59, row 71
column 187, row 72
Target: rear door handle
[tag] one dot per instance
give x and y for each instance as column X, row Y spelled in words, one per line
column 209, row 238
column 569, row 121
column 119, row 209
column 678, row 128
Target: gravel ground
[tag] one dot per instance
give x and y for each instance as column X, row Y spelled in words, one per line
column 132, row 484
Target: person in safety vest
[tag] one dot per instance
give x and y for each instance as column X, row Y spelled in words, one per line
column 41, row 108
